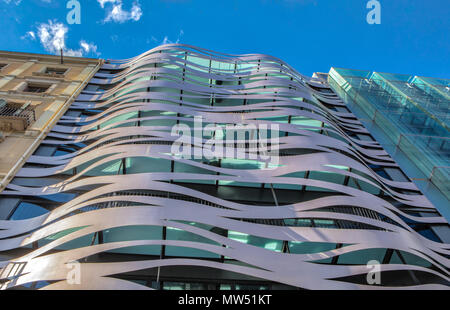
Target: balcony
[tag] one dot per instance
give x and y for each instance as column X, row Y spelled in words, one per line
column 16, row 116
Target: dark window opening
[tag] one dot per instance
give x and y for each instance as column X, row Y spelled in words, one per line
column 36, row 88
column 55, row 71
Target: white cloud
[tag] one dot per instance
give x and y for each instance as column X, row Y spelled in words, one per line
column 73, row 53
column 53, row 35
column 136, row 11
column 116, row 13
column 114, row 38
column 166, row 39
column 29, row 34
column 16, row 2
column 102, row 2
column 89, row 47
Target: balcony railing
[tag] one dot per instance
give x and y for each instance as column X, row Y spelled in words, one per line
column 16, row 116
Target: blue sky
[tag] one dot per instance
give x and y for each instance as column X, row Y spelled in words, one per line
column 311, row 35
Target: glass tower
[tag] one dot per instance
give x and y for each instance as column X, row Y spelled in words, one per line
column 412, row 115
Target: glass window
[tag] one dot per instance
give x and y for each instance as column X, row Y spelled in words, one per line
column 409, row 259
column 184, row 286
column 130, row 233
column 182, row 235
column 27, row 210
column 362, row 257
column 269, row 244
column 297, row 247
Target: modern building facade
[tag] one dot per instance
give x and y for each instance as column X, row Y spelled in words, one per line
column 183, row 168
column 410, row 116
